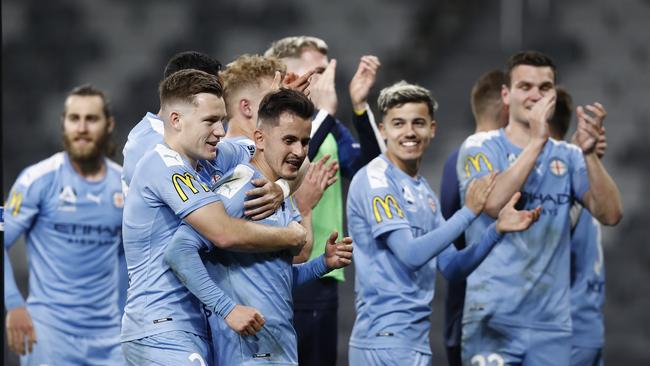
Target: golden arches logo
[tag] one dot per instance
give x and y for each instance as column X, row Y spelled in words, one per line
column 475, row 162
column 386, row 204
column 15, row 202
column 186, row 180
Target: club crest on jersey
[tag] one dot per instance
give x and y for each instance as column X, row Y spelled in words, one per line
column 557, row 167
column 433, row 205
column 118, row 199
column 215, row 178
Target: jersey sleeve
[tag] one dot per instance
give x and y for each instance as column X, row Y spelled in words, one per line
column 179, row 189
column 232, row 188
column 579, row 175
column 380, row 203
column 476, row 158
column 348, row 148
column 21, row 208
column 230, row 154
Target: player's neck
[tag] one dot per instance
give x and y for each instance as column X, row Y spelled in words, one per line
column 260, row 164
column 410, row 167
column 487, row 124
column 518, row 133
column 91, row 170
column 238, row 127
column 174, row 145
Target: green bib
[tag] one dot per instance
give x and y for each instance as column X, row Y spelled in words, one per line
column 328, row 213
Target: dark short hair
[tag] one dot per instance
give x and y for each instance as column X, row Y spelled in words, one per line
column 192, row 60
column 561, row 120
column 88, row 90
column 531, row 58
column 284, row 100
column 185, row 84
column 401, row 93
column 486, row 94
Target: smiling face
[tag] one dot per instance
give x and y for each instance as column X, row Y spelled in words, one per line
column 285, row 145
column 408, row 130
column 200, row 125
column 86, row 128
column 528, row 84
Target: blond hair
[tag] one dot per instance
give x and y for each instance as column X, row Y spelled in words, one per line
column 293, row 47
column 249, row 70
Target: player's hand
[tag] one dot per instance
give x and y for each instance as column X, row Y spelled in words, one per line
column 478, row 192
column 299, row 236
column 269, row 197
column 245, row 320
column 362, row 81
column 338, row 254
column 292, row 81
column 318, row 178
column 539, row 115
column 510, row 219
column 20, row 330
column 322, row 91
column 589, row 127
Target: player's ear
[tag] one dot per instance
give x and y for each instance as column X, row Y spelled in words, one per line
column 433, row 128
column 382, row 129
column 258, row 137
column 111, row 124
column 245, row 108
column 505, row 95
column 175, row 120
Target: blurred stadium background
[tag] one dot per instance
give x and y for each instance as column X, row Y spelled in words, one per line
column 601, row 48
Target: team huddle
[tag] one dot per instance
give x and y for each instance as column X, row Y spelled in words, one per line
column 220, row 240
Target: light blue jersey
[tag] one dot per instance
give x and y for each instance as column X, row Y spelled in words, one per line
column 260, row 280
column 393, row 302
column 149, row 132
column 587, row 282
column 164, row 190
column 524, row 281
column 72, row 228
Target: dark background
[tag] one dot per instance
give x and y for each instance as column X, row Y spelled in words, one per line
column 601, row 48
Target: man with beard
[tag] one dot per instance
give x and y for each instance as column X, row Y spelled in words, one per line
column 69, row 206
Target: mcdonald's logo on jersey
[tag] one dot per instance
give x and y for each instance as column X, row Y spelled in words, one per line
column 474, row 161
column 15, row 202
column 387, row 204
column 181, row 180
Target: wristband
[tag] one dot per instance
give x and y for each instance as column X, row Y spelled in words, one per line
column 286, row 191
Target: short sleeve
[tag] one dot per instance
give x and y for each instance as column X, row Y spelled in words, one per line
column 476, row 158
column 579, row 175
column 380, row 203
column 179, row 189
column 23, row 205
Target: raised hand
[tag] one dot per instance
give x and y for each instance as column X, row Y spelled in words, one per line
column 245, row 320
column 510, row 220
column 539, row 115
column 362, row 81
column 478, row 192
column 318, row 178
column 269, row 198
column 590, row 127
column 20, row 329
column 322, row 91
column 338, row 254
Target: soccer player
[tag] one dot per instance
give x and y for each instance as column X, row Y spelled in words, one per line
column 401, row 237
column 587, row 262
column 69, row 207
column 246, row 80
column 149, row 131
column 316, row 303
column 489, row 114
column 517, row 303
column 163, row 323
column 258, row 283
